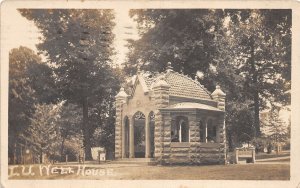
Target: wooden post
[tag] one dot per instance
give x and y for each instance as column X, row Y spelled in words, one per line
column 236, row 156
column 253, row 155
column 15, row 154
column 99, row 152
column 22, row 158
column 83, row 160
column 66, row 159
column 79, row 158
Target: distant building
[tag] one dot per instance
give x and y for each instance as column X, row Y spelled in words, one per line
column 171, row 119
column 95, row 153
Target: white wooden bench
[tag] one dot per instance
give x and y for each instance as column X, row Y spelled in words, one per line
column 244, row 153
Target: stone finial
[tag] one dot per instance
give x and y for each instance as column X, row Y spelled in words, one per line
column 219, row 96
column 218, row 92
column 161, row 82
column 169, row 67
column 196, row 77
column 122, row 93
column 138, row 69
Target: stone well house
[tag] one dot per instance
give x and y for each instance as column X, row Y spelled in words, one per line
column 170, row 118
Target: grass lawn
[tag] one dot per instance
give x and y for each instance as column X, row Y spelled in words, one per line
column 213, row 172
column 271, row 155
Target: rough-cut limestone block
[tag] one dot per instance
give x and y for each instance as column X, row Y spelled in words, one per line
column 210, row 151
column 157, row 135
column 180, row 155
column 179, row 150
column 195, row 139
column 193, row 155
column 165, row 155
column 167, row 134
column 209, row 156
column 194, row 144
column 166, row 144
column 193, row 129
column 193, row 150
column 193, row 135
column 209, row 161
column 179, row 161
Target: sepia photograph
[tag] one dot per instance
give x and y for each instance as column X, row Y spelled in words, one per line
column 146, row 93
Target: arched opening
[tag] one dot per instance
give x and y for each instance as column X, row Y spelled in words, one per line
column 126, row 137
column 152, row 127
column 202, row 132
column 139, row 135
column 180, row 130
column 211, row 131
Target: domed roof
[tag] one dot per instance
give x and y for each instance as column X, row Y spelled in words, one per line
column 180, row 85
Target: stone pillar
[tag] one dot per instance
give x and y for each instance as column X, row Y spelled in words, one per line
column 121, row 100
column 131, row 139
column 157, row 135
column 123, row 139
column 166, row 138
column 222, row 138
column 206, row 122
column 161, row 98
column 194, row 138
column 194, row 128
column 219, row 96
column 147, row 137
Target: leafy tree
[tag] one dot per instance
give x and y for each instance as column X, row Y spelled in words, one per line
column 261, row 40
column 274, row 128
column 184, row 37
column 30, row 82
column 194, row 41
column 55, row 130
column 69, row 126
column 42, row 134
column 79, row 44
column 247, row 52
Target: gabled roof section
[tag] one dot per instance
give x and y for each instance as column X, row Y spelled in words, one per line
column 140, row 79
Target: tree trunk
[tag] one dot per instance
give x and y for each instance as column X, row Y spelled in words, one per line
column 86, row 131
column 62, row 149
column 255, row 91
column 256, row 114
column 15, row 152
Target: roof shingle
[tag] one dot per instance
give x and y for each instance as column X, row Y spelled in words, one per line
column 181, row 85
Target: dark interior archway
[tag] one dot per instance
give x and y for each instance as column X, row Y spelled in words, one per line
column 152, row 128
column 139, row 134
column 126, row 139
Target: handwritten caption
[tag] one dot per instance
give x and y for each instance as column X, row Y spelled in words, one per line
column 47, row 170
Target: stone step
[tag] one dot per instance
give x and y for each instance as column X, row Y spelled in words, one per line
column 138, row 161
